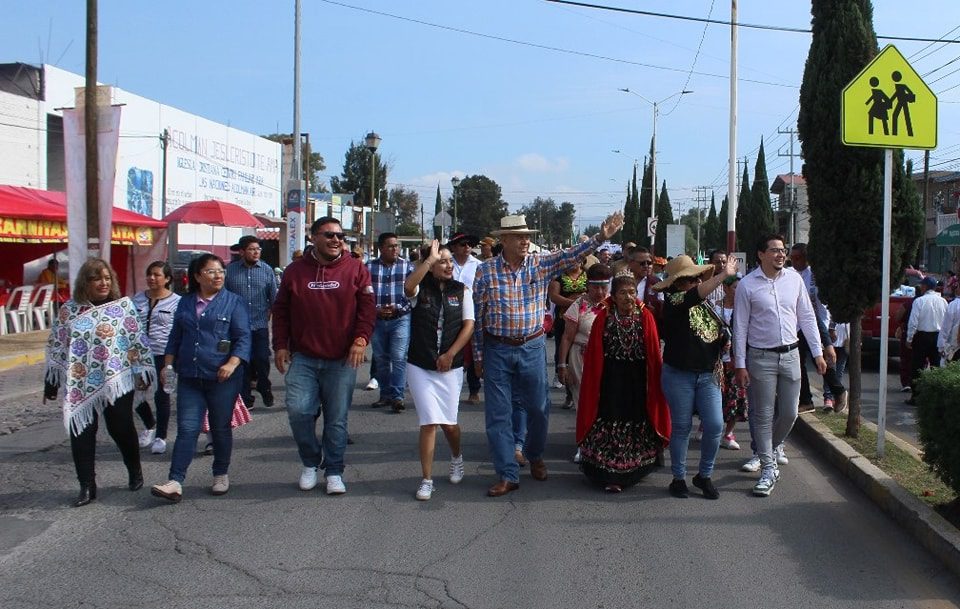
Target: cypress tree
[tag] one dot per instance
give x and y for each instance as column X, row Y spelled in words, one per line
column 745, row 214
column 762, row 212
column 630, row 213
column 721, row 235
column 437, row 208
column 664, row 218
column 710, row 227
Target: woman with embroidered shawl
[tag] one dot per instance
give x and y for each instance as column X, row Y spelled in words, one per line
column 622, row 417
column 98, row 352
column 694, row 336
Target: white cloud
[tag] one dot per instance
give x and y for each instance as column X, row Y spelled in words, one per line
column 533, row 162
column 438, row 177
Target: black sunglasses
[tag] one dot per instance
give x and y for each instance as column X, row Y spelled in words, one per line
column 329, row 234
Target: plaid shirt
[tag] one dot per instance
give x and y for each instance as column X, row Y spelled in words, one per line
column 512, row 303
column 388, row 281
column 256, row 286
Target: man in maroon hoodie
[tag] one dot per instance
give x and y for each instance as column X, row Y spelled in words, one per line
column 322, row 321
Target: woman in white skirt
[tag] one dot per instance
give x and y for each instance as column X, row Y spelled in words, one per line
column 441, row 324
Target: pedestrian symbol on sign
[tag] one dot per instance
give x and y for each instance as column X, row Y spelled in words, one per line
column 900, row 109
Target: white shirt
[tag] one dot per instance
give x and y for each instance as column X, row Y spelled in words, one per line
column 927, row 314
column 466, row 273
column 814, row 292
column 642, row 287
column 767, row 313
column 950, row 326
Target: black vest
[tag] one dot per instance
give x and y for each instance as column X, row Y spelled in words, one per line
column 425, row 317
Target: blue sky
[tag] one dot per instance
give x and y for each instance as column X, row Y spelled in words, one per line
column 447, row 102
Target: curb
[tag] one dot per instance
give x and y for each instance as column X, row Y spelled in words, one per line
column 10, row 362
column 929, row 528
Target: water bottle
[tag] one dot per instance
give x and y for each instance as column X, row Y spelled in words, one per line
column 169, row 379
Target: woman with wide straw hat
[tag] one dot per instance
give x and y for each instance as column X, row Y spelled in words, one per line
column 694, row 337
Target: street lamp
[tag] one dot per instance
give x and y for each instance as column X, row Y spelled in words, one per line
column 456, row 183
column 653, row 146
column 372, row 142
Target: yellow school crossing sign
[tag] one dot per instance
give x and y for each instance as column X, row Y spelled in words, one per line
column 888, row 105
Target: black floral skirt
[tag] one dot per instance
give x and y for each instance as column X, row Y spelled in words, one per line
column 618, row 452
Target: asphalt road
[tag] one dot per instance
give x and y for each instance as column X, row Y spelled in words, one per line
column 816, row 542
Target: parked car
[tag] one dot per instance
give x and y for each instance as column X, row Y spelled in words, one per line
column 180, row 265
column 870, row 324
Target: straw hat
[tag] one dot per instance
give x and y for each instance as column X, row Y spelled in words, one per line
column 513, row 225
column 683, row 266
column 490, row 241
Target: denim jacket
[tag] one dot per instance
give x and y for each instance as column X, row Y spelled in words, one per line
column 193, row 340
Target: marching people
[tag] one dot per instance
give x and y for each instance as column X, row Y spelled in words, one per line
column 770, row 304
column 509, row 346
column 208, row 347
column 465, row 266
column 562, row 292
column 157, row 305
column 735, row 401
column 640, row 262
column 98, row 353
column 391, row 334
column 694, row 337
column 256, row 283
column 441, row 325
column 322, row 351
column 622, row 417
column 578, row 320
column 923, row 330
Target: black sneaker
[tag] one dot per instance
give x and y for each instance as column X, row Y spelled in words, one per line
column 678, row 488
column 706, row 485
column 267, row 398
column 398, row 405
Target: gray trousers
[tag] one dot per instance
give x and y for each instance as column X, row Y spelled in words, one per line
column 773, row 393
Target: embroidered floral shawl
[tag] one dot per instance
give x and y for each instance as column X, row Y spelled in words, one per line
column 96, row 354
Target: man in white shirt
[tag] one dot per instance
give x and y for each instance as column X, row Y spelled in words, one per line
column 464, row 270
column 923, row 330
column 771, row 303
column 948, row 342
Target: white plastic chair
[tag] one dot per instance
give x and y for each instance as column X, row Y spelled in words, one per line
column 18, row 308
column 42, row 307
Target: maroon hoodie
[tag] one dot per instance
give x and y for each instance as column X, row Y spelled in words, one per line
column 321, row 309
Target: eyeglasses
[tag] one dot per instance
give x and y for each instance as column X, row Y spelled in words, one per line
column 329, row 234
column 776, row 250
column 213, row 272
column 253, row 249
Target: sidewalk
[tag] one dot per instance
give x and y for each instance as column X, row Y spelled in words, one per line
column 22, row 349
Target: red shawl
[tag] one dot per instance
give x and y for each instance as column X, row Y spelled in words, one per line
column 657, row 412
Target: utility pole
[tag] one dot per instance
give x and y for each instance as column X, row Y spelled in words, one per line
column 90, row 135
column 698, row 190
column 732, row 135
column 926, row 195
column 792, row 186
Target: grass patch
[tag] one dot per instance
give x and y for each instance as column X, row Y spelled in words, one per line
column 913, row 475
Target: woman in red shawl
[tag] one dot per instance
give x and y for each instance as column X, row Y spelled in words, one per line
column 622, row 419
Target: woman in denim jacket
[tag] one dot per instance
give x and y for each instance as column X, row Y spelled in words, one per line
column 209, row 344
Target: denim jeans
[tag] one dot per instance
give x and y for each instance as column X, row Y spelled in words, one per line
column 773, row 394
column 391, row 338
column 515, row 374
column 518, row 418
column 259, row 364
column 687, row 391
column 310, row 382
column 194, row 398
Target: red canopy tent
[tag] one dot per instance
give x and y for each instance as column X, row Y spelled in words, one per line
column 33, row 223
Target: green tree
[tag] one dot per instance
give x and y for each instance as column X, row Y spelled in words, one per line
column 554, row 222
column 744, row 228
column 591, row 230
column 711, row 227
column 691, row 219
column 646, row 190
column 631, row 212
column 664, row 218
column 844, row 183
column 563, row 222
column 313, row 162
column 437, row 208
column 406, row 205
column 480, row 205
column 721, row 235
column 761, row 219
column 355, row 176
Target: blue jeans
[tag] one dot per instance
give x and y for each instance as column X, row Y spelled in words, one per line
column 391, row 338
column 687, row 391
column 515, row 374
column 518, row 419
column 194, row 398
column 259, row 364
column 311, row 382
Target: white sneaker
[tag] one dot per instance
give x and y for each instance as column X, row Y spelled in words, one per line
column 159, row 446
column 146, row 437
column 335, row 485
column 557, row 384
column 752, row 465
column 221, row 484
column 171, row 490
column 425, row 491
column 729, row 442
column 768, row 480
column 373, row 384
column 576, row 457
column 780, row 455
column 456, row 470
column 308, row 478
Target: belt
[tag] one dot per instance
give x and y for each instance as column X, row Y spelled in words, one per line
column 780, row 349
column 394, row 316
column 514, row 341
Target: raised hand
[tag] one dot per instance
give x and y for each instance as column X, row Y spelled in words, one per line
column 611, row 225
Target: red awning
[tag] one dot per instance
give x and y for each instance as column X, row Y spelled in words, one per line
column 36, row 204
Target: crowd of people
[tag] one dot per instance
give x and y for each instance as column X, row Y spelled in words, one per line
column 642, row 346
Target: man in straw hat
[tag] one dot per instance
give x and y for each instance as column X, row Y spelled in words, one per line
column 771, row 303
column 510, row 296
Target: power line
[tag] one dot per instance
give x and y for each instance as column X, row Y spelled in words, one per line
column 933, row 43
column 755, row 26
column 693, row 64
